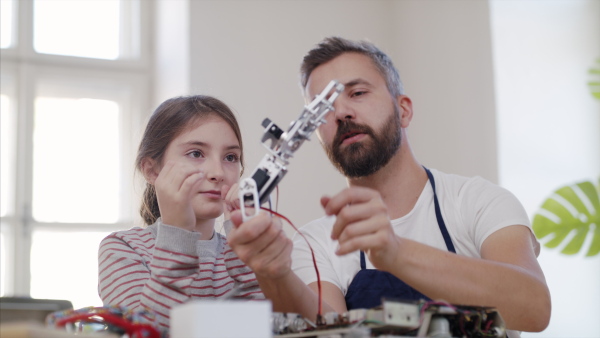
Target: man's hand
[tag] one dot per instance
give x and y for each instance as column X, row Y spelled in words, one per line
column 362, row 223
column 262, row 244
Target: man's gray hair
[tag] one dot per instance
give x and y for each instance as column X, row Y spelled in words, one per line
column 332, row 47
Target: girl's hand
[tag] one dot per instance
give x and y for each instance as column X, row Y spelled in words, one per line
column 231, row 200
column 261, row 244
column 176, row 186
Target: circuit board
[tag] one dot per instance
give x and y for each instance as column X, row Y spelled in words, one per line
column 396, row 319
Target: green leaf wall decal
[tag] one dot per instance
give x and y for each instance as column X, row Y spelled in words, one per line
column 595, row 82
column 571, row 209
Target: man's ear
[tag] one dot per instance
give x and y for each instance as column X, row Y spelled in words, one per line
column 150, row 170
column 406, row 110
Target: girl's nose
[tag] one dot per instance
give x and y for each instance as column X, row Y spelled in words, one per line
column 214, row 171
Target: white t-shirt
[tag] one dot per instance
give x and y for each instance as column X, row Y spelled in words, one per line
column 472, row 209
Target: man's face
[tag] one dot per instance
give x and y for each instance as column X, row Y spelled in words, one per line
column 363, row 133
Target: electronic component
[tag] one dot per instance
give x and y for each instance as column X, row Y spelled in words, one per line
column 281, row 146
column 397, row 319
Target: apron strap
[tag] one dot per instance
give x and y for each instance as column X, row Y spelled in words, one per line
column 363, row 264
column 438, row 215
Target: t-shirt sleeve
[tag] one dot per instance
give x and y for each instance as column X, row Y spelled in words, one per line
column 487, row 208
column 302, row 259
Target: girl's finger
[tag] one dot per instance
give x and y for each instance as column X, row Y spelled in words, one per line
column 231, row 197
column 191, row 184
column 174, row 174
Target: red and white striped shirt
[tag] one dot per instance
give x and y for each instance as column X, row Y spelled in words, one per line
column 161, row 266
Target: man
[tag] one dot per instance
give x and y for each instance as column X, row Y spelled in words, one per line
column 399, row 229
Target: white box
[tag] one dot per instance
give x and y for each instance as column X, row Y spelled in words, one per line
column 221, row 319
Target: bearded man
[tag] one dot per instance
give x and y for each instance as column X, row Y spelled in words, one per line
column 399, row 230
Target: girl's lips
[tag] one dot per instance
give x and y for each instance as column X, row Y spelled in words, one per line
column 212, row 194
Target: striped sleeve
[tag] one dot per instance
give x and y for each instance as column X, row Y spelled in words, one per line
column 244, row 277
column 137, row 271
column 239, row 271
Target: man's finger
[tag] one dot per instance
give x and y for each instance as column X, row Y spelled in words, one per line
column 346, row 197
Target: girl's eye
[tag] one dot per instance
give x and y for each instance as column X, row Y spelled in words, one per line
column 232, row 158
column 196, row 154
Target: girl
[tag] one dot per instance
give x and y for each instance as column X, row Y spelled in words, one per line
column 190, row 155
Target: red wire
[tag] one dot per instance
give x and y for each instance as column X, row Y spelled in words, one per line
column 320, row 299
column 277, row 199
column 133, row 330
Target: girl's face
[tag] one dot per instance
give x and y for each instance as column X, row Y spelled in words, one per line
column 211, row 146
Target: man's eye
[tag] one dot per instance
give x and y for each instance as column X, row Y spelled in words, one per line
column 359, row 93
column 231, row 158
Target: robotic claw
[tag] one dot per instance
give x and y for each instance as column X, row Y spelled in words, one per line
column 255, row 190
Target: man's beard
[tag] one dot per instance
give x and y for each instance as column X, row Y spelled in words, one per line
column 361, row 159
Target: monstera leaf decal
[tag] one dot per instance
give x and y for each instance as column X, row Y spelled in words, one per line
column 573, row 208
column 595, row 80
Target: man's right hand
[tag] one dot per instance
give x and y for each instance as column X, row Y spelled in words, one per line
column 261, row 244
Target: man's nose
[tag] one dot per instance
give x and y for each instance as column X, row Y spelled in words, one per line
column 343, row 111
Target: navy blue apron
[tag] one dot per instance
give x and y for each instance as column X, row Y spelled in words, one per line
column 369, row 286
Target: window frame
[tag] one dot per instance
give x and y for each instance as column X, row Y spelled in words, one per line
column 23, row 69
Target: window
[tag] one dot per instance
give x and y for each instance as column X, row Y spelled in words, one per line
column 74, row 78
column 6, row 23
column 87, row 40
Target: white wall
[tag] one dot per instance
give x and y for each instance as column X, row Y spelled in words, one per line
column 248, row 53
column 172, row 49
column 443, row 51
column 549, row 132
